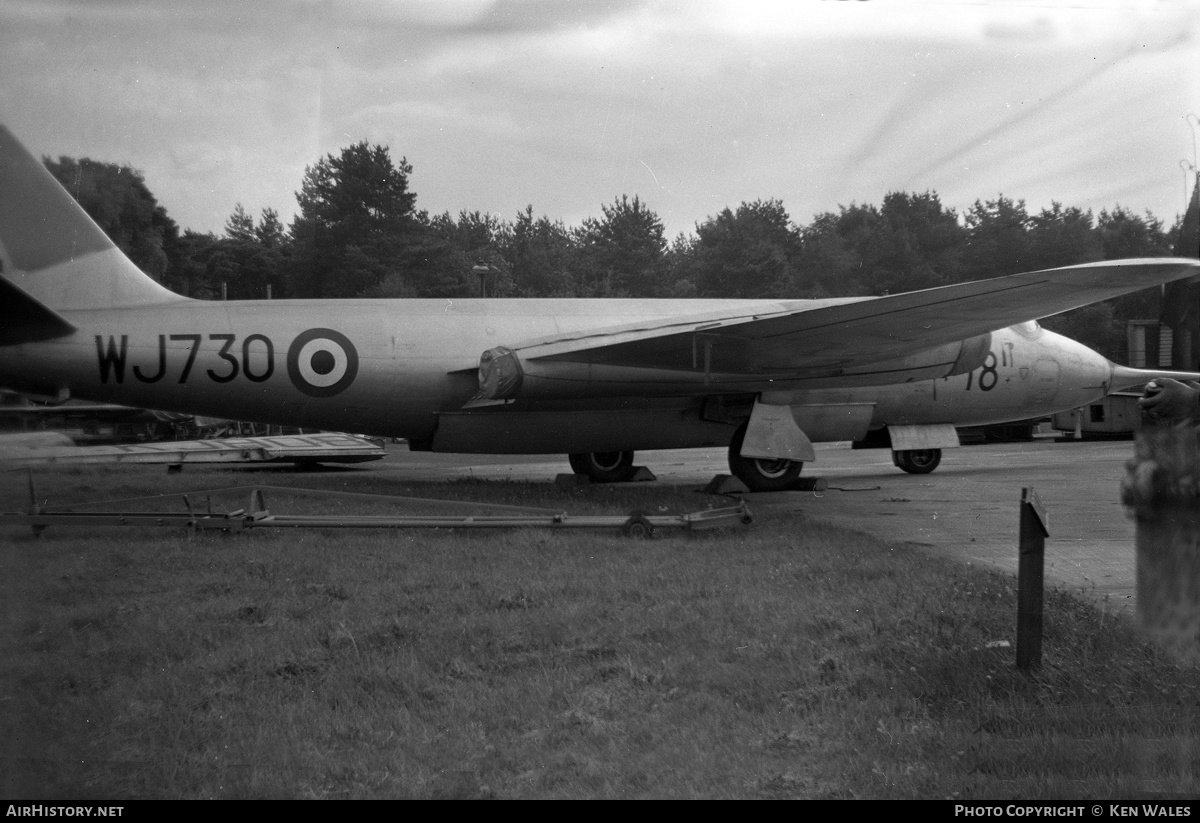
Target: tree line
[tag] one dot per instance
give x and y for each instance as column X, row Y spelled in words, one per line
column 358, row 233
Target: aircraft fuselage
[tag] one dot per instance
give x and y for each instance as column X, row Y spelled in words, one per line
column 407, row 369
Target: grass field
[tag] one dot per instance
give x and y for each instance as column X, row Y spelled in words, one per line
column 784, row 659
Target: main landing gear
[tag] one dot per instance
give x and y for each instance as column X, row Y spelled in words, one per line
column 761, row 474
column 603, row 467
column 918, row 461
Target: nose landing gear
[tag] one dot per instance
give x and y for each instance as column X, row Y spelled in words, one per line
column 918, row 461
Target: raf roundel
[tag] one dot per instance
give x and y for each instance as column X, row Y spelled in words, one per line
column 322, row 362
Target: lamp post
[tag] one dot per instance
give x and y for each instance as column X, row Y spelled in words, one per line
column 482, row 270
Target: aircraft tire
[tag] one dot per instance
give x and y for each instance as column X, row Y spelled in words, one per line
column 603, row 467
column 919, row 461
column 758, row 474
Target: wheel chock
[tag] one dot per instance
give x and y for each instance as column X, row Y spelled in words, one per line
column 571, row 481
column 641, row 473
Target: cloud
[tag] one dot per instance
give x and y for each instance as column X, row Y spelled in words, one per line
column 694, row 107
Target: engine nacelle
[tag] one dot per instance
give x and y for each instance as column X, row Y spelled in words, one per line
column 504, row 375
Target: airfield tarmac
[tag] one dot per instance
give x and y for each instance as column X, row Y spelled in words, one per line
column 968, row 509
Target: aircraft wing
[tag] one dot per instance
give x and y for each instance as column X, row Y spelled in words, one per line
column 815, row 338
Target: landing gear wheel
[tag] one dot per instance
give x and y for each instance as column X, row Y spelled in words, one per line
column 603, row 467
column 918, row 461
column 761, row 474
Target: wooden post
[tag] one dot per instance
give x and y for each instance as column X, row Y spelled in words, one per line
column 1030, row 577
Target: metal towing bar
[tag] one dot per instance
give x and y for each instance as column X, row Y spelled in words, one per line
column 256, row 515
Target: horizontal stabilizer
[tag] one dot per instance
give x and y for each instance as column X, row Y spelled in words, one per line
column 25, row 320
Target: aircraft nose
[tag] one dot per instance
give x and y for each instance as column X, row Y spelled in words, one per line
column 1085, row 375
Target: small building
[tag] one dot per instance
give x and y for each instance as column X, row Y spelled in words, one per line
column 1113, row 417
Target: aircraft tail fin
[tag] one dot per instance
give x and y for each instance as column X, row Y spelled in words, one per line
column 52, row 252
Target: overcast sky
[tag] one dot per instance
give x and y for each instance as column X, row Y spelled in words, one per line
column 565, row 106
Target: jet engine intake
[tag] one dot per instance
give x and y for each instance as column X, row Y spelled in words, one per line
column 500, row 374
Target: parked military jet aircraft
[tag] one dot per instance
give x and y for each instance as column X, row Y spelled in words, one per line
column 596, row 379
